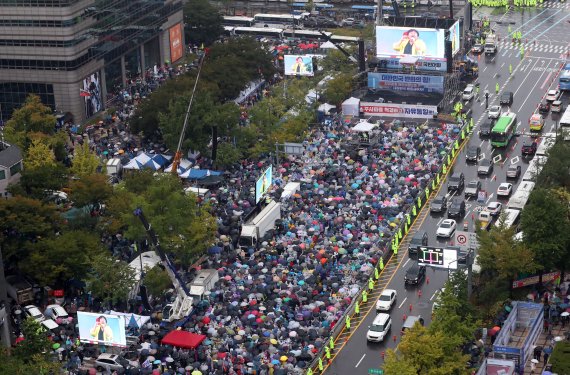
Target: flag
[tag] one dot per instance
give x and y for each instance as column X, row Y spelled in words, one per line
column 84, row 93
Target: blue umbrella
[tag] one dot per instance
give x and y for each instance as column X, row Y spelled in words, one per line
column 214, row 250
column 548, row 350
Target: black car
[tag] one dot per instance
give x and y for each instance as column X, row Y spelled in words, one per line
column 529, row 148
column 486, row 127
column 419, row 239
column 456, row 182
column 439, row 204
column 473, row 153
column 415, row 274
column 457, row 208
column 544, row 107
column 506, row 98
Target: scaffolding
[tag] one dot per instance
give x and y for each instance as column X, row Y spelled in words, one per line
column 519, row 333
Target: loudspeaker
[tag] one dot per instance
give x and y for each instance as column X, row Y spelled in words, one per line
column 449, row 56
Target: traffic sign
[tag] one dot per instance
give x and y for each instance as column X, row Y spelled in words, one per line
column 461, row 239
column 376, row 371
column 437, row 257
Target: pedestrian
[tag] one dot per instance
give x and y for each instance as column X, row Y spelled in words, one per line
column 537, row 352
column 510, row 68
column 532, row 367
column 545, row 357
column 497, row 87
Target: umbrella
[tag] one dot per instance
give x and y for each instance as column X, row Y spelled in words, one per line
column 534, row 360
column 56, row 345
column 565, row 313
column 558, row 338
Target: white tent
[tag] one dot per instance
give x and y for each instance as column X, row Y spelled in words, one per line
column 326, row 108
column 312, row 97
column 142, row 158
column 364, row 126
column 328, row 45
column 351, row 107
column 184, row 165
column 138, row 319
column 133, row 164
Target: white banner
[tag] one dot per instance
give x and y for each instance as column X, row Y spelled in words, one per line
column 398, row 110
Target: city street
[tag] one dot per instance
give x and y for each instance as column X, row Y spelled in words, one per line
column 546, row 41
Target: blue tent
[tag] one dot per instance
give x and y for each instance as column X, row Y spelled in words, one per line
column 133, row 322
column 160, row 159
column 198, row 174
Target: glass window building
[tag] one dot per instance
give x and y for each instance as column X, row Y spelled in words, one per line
column 75, row 54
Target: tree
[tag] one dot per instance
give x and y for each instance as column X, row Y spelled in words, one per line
column 36, row 183
column 24, row 221
column 90, row 190
column 36, row 364
column 203, row 22
column 336, row 61
column 32, row 117
column 422, row 351
column 39, row 155
column 501, row 254
column 58, row 259
column 228, row 154
column 555, row 171
column 35, row 342
column 85, row 162
column 339, row 88
column 110, row 279
column 157, row 281
column 546, row 229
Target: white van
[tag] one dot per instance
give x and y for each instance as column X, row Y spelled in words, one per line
column 379, row 328
column 468, row 93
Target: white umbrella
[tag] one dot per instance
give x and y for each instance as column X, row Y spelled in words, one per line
column 534, row 360
column 565, row 313
column 558, row 338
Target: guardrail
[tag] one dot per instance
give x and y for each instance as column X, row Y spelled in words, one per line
column 324, row 355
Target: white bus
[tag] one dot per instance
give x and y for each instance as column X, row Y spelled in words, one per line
column 238, row 21
column 511, row 217
column 520, row 197
column 305, row 34
column 534, row 168
column 546, row 142
column 278, row 19
column 268, row 32
column 565, row 119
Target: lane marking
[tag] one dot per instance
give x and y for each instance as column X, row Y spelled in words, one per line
column 546, row 80
column 405, row 264
column 433, row 296
column 364, row 355
column 531, row 91
column 402, row 304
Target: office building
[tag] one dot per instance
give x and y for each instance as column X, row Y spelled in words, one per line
column 75, row 54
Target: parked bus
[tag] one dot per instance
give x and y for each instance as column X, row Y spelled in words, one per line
column 268, row 32
column 238, row 21
column 534, row 168
column 546, row 142
column 278, row 19
column 565, row 119
column 564, row 80
column 504, row 130
column 305, row 34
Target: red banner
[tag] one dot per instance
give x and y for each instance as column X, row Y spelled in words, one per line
column 176, row 47
column 534, row 279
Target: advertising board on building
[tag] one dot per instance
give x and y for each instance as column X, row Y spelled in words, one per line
column 176, row 47
column 298, row 65
column 398, row 110
column 455, row 38
column 406, row 82
column 90, row 91
column 104, row 329
column 422, row 64
column 402, row 41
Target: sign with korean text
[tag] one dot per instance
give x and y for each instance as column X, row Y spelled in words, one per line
column 398, row 110
column 534, row 279
column 406, row 82
column 423, row 64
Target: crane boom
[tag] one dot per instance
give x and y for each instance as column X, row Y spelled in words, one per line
column 178, row 154
column 179, row 284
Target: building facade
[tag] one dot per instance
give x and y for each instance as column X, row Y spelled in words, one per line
column 74, row 54
column 11, row 164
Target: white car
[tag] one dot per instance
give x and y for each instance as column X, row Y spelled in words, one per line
column 552, row 95
column 56, row 312
column 113, row 362
column 494, row 208
column 379, row 328
column 348, row 22
column 446, row 228
column 494, row 111
column 468, row 93
column 505, row 189
column 386, row 300
column 33, row 312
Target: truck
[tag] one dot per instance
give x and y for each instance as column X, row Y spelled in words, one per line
column 491, row 44
column 19, row 289
column 253, row 231
column 114, row 167
column 485, row 220
column 290, row 189
column 202, row 283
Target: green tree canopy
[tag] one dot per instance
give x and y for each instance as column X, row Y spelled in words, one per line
column 24, row 221
column 35, row 346
column 58, row 259
column 157, row 281
column 39, row 155
column 546, row 229
column 203, row 22
column 37, row 183
column 110, row 279
column 90, row 190
column 32, row 117
column 85, row 162
column 555, row 171
column 36, row 364
column 339, row 88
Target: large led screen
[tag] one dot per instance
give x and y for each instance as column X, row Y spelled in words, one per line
column 298, row 65
column 263, row 183
column 455, row 38
column 402, row 41
column 103, row 329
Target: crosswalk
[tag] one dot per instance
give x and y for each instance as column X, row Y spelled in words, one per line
column 555, row 5
column 557, row 49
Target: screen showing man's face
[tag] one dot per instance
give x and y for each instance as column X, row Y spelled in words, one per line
column 413, row 36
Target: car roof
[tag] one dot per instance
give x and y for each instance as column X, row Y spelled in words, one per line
column 536, row 115
column 512, row 166
column 411, row 320
column 494, row 204
column 473, row 182
column 381, row 318
column 505, row 184
column 107, row 355
column 388, row 292
column 448, row 221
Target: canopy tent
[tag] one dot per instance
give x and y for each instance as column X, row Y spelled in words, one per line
column 199, row 174
column 161, row 159
column 131, row 320
column 151, row 161
column 364, row 126
column 328, row 45
column 312, row 97
column 351, row 107
column 184, row 165
column 183, row 339
column 151, row 164
column 133, row 164
column 250, row 89
column 326, row 108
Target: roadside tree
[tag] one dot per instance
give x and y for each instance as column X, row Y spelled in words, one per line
column 110, row 279
column 32, row 117
column 85, row 162
column 203, row 22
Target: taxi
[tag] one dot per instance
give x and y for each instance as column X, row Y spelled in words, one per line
column 536, row 122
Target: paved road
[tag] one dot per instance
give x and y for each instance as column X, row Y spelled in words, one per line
column 546, row 29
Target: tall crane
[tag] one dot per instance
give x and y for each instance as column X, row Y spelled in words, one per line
column 178, row 154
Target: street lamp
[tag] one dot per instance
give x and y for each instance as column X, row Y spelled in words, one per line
column 449, row 269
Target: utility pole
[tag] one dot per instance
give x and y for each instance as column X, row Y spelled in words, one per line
column 379, row 14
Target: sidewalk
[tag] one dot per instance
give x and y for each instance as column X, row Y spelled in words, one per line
column 543, row 341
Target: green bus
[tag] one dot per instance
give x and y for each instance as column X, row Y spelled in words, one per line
column 504, row 130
